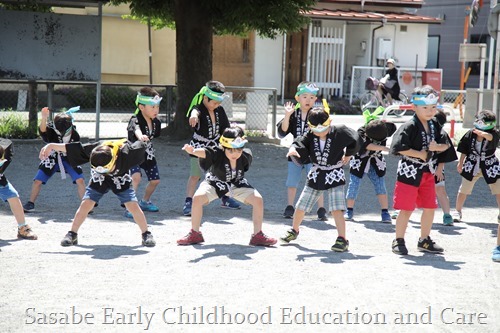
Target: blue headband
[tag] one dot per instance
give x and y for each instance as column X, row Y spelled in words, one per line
column 424, row 99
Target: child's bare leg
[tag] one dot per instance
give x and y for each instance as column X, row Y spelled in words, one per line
column 498, row 202
column 298, row 217
column 338, row 216
column 197, row 210
column 498, row 235
column 150, row 188
column 426, row 222
column 81, row 214
column 350, row 203
column 35, row 190
column 291, row 192
column 402, row 223
column 17, row 210
column 443, row 199
column 321, row 201
column 139, row 218
column 460, row 201
column 257, row 210
column 80, row 187
column 136, row 179
column 191, row 186
column 382, row 200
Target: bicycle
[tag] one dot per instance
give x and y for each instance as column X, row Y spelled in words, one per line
column 371, row 99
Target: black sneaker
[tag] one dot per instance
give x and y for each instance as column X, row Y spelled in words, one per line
column 322, row 214
column 71, row 238
column 428, row 245
column 289, row 236
column 341, row 245
column 147, row 239
column 399, row 247
column 288, row 213
column 28, row 207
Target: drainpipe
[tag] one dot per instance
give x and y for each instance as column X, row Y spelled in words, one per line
column 384, row 21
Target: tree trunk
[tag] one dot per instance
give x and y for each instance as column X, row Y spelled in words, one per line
column 194, row 33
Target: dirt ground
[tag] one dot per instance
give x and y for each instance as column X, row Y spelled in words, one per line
column 110, row 283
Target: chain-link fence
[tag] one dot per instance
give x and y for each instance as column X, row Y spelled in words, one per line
column 253, row 108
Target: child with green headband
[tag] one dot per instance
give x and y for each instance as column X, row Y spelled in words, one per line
column 61, row 130
column 145, row 126
column 9, row 194
column 370, row 161
column 226, row 165
column 478, row 159
column 295, row 123
column 423, row 145
column 209, row 120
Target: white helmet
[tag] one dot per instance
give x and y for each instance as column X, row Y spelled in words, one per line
column 391, row 61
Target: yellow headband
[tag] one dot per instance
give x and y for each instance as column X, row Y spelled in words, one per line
column 115, row 146
column 232, row 143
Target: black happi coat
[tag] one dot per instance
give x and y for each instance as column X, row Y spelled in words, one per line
column 129, row 155
column 8, row 153
column 219, row 173
column 50, row 136
column 360, row 163
column 139, row 122
column 484, row 160
column 296, row 126
column 326, row 171
column 412, row 135
column 207, row 133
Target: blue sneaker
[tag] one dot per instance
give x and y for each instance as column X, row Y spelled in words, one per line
column 496, row 254
column 128, row 214
column 349, row 215
column 447, row 220
column 148, row 206
column 228, row 202
column 386, row 217
column 186, row 210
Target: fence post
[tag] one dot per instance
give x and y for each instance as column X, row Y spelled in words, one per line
column 50, row 98
column 33, row 107
column 275, row 101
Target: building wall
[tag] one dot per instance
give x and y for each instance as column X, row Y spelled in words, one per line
column 233, row 59
column 451, row 33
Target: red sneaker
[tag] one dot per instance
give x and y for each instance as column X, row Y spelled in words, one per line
column 260, row 239
column 193, row 237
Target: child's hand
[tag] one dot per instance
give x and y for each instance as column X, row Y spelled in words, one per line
column 346, row 159
column 193, row 120
column 433, row 146
column 45, row 112
column 439, row 175
column 144, row 138
column 188, row 149
column 289, row 108
column 460, row 167
column 479, row 133
column 45, row 152
column 292, row 152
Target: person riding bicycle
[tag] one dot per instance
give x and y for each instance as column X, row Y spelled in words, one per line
column 389, row 84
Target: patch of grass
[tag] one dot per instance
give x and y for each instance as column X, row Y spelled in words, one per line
column 14, row 126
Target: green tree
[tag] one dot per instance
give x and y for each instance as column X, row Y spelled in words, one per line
column 196, row 21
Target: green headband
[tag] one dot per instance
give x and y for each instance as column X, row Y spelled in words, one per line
column 372, row 116
column 146, row 100
column 310, row 88
column 205, row 91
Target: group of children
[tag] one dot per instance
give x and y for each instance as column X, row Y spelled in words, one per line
column 218, row 151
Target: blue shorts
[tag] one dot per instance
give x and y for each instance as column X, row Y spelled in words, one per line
column 124, row 196
column 294, row 173
column 8, row 192
column 151, row 173
column 43, row 177
column 355, row 182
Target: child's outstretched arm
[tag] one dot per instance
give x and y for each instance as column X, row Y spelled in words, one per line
column 198, row 152
column 487, row 136
column 140, row 136
column 48, row 148
column 375, row 147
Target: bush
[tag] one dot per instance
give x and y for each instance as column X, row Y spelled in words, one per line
column 14, row 126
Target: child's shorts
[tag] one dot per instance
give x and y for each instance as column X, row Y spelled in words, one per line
column 408, row 197
column 152, row 173
column 294, row 173
column 238, row 193
column 8, row 192
column 124, row 196
column 43, row 177
column 195, row 169
column 467, row 185
column 309, row 197
column 355, row 183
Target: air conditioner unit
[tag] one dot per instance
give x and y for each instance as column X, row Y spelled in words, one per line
column 383, row 49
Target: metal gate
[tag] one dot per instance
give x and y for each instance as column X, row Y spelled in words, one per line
column 325, row 54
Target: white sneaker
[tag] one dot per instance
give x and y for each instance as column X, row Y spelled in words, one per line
column 457, row 216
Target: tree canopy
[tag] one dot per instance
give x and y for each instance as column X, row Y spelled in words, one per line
column 195, row 23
